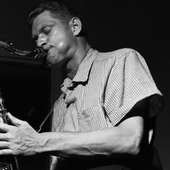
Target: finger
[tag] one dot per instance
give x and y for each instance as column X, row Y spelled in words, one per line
column 4, row 145
column 14, row 120
column 4, row 137
column 4, row 127
column 6, row 152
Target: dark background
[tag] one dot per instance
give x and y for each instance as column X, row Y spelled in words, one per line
column 111, row 24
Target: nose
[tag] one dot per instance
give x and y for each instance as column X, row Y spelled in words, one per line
column 42, row 40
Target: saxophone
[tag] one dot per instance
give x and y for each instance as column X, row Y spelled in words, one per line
column 10, row 162
column 6, row 162
column 37, row 53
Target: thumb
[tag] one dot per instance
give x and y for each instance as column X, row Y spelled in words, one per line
column 15, row 121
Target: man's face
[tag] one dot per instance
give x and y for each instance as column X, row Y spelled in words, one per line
column 51, row 34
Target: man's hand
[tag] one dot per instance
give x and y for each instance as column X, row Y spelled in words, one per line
column 17, row 139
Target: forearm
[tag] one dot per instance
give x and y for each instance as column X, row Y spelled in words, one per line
column 104, row 142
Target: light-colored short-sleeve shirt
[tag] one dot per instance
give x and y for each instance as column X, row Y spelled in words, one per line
column 105, row 88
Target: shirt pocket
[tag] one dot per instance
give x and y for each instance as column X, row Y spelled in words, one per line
column 92, row 118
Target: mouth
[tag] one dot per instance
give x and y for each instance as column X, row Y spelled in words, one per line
column 51, row 56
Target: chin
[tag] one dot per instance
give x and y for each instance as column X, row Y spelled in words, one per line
column 58, row 62
column 51, row 60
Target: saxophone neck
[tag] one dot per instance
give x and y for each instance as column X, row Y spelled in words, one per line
column 2, row 112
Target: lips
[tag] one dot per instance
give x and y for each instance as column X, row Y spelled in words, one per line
column 51, row 51
column 52, row 56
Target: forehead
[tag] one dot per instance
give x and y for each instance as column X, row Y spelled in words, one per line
column 43, row 19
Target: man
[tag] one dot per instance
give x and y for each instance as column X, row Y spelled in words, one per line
column 104, row 118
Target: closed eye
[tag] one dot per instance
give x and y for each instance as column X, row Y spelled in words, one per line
column 46, row 30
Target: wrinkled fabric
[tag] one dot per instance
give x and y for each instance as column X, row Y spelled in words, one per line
column 104, row 90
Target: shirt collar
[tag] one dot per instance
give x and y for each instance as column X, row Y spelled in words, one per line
column 85, row 66
column 83, row 70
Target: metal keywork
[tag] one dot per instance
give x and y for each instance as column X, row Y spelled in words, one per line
column 6, row 162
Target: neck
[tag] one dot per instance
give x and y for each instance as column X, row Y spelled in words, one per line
column 78, row 57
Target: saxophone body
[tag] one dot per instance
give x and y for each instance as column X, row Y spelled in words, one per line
column 6, row 162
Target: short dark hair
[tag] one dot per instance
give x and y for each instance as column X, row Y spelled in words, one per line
column 58, row 9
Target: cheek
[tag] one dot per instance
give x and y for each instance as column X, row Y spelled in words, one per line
column 62, row 45
column 60, row 41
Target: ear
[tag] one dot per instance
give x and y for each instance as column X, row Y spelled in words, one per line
column 76, row 25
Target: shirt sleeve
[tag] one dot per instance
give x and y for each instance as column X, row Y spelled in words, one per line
column 129, row 82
